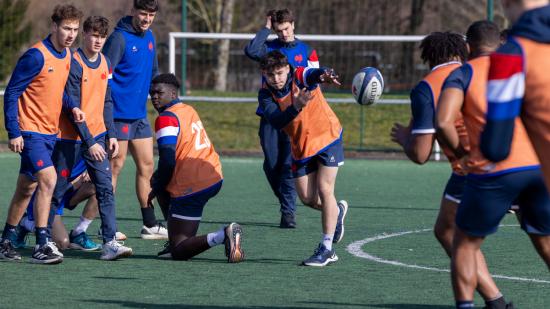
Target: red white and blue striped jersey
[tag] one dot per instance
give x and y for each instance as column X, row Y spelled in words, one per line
column 518, row 85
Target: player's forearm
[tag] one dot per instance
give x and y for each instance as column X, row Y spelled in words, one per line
column 108, row 114
column 448, row 137
column 166, row 165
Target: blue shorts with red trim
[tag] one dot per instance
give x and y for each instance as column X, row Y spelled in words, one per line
column 487, row 199
column 332, row 155
column 37, row 153
column 132, row 129
column 190, row 207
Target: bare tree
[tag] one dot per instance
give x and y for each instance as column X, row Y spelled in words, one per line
column 226, row 21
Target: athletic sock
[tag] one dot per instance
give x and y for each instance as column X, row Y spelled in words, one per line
column 148, row 214
column 27, row 224
column 216, row 238
column 82, row 226
column 41, row 236
column 496, row 303
column 464, row 304
column 10, row 232
column 327, row 241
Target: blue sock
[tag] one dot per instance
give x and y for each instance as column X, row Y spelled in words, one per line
column 10, row 232
column 464, row 304
column 41, row 236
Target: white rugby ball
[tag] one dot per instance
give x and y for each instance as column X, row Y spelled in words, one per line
column 367, row 86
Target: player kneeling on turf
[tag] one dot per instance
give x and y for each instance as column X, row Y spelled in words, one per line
column 189, row 173
column 292, row 101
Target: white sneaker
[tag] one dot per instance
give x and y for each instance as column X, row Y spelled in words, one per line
column 55, row 250
column 118, row 235
column 114, row 250
column 155, row 232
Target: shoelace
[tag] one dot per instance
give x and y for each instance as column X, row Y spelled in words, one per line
column 53, row 247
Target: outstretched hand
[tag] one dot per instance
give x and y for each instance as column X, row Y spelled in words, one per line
column 301, row 98
column 330, row 77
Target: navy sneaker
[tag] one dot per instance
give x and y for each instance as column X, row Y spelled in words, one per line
column 321, row 257
column 339, row 231
column 46, row 254
column 287, row 221
column 166, row 252
column 7, row 252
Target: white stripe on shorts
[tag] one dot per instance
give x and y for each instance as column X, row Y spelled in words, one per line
column 452, row 198
column 187, row 218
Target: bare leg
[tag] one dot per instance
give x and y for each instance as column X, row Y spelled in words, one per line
column 21, row 198
column 464, row 265
column 444, row 231
column 44, row 192
column 59, row 233
column 326, row 179
column 183, row 242
column 142, row 152
column 306, row 187
column 86, row 192
column 542, row 244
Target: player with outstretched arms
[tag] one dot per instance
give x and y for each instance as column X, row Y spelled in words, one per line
column 292, row 101
column 33, row 102
column 275, row 143
column 189, row 173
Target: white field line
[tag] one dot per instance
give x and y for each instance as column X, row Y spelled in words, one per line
column 355, row 248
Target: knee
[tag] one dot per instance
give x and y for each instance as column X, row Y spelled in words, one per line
column 47, row 184
column 308, row 201
column 117, row 163
column 146, row 167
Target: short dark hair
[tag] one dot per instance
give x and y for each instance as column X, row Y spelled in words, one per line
column 66, row 12
column 483, row 33
column 146, row 5
column 96, row 23
column 273, row 60
column 441, row 47
column 167, row 78
column 281, row 16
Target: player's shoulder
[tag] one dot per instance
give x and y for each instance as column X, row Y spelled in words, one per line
column 512, row 47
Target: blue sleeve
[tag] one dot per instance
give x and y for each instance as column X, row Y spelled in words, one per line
column 26, row 69
column 73, row 91
column 423, row 109
column 167, row 161
column 279, row 119
column 114, row 48
column 459, row 78
column 155, row 64
column 257, row 48
column 309, row 77
column 108, row 108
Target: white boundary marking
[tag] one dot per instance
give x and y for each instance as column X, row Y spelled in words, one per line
column 355, row 248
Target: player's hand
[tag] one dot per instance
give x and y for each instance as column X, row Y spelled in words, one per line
column 400, row 134
column 78, row 115
column 97, row 152
column 330, row 77
column 301, row 98
column 16, row 144
column 268, row 22
column 113, row 147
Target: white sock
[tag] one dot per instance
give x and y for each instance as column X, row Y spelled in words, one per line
column 327, row 241
column 216, row 238
column 82, row 226
column 28, row 224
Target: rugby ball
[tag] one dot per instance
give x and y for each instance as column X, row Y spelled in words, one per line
column 367, row 86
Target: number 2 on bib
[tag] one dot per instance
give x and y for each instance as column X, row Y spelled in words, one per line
column 197, row 129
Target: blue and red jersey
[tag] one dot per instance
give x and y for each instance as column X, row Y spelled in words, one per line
column 310, row 129
column 298, row 53
column 35, row 95
column 518, row 84
column 134, row 60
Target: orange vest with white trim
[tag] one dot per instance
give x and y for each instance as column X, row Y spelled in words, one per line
column 41, row 103
column 474, row 110
column 198, row 166
column 435, row 80
column 315, row 127
column 93, row 89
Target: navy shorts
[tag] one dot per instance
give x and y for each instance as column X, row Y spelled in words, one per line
column 132, row 129
column 487, row 199
column 36, row 154
column 190, row 207
column 454, row 189
column 332, row 155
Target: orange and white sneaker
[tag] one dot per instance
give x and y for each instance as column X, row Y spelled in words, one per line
column 232, row 241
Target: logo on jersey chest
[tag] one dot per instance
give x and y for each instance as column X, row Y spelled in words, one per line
column 50, row 69
column 151, row 46
column 134, row 49
column 298, row 58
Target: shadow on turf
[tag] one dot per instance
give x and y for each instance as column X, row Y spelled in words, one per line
column 382, row 306
column 133, row 304
column 264, row 224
